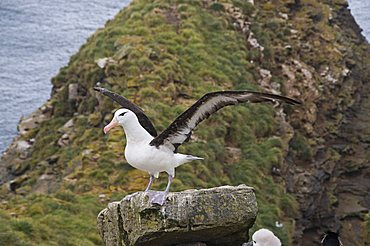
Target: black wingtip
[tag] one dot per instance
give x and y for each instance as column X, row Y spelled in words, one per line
column 287, row 100
column 100, row 89
column 294, row 102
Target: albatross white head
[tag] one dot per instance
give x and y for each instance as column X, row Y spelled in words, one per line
column 121, row 117
column 131, row 125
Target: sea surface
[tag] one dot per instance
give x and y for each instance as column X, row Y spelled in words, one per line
column 37, row 37
column 360, row 9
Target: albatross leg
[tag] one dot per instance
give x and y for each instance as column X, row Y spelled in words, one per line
column 150, row 183
column 160, row 197
column 170, row 177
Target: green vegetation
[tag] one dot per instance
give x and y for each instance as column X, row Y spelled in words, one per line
column 166, row 54
column 60, row 219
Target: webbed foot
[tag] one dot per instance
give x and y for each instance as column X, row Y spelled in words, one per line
column 157, row 197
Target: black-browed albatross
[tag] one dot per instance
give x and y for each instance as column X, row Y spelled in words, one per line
column 147, row 151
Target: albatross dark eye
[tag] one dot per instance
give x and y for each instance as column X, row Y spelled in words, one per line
column 122, row 114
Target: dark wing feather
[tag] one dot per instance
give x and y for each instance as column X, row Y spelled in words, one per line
column 124, row 102
column 180, row 130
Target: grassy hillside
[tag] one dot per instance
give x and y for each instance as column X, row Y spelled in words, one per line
column 164, row 56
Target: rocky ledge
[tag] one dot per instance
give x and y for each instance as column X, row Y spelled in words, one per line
column 216, row 216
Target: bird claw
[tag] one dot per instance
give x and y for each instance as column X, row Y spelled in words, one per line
column 157, row 197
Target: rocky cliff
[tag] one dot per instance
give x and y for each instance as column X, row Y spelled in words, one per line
column 309, row 165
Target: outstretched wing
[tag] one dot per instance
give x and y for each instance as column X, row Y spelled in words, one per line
column 180, row 130
column 124, row 102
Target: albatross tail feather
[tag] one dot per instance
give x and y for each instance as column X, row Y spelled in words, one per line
column 181, row 159
column 193, row 158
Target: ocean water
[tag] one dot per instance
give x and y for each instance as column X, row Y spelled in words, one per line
column 360, row 9
column 37, row 37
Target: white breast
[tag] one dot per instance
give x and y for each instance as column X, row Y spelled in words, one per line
column 148, row 158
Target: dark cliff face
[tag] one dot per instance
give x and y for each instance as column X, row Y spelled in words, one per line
column 309, row 164
column 332, row 185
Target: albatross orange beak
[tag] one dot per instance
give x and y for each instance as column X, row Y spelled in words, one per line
column 111, row 125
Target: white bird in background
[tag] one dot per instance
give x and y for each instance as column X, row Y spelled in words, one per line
column 278, row 224
column 147, row 151
column 264, row 237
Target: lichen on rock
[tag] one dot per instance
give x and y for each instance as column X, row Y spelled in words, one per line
column 216, row 216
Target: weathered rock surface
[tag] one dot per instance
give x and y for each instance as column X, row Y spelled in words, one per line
column 216, row 216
